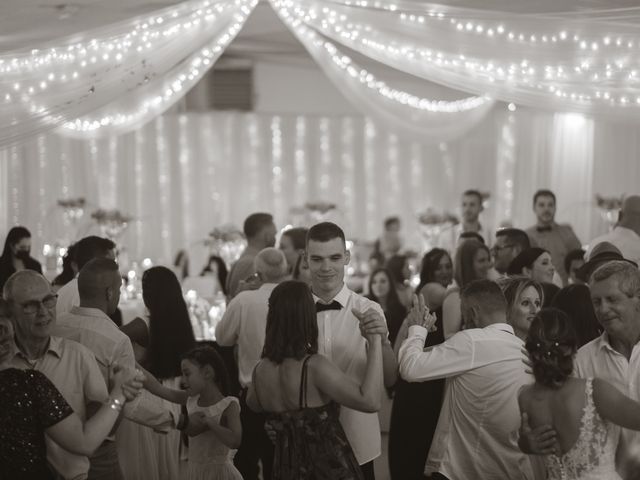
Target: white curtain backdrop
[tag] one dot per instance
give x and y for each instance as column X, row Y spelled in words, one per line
column 182, row 175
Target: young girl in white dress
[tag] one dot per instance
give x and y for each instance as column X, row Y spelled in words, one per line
column 213, row 424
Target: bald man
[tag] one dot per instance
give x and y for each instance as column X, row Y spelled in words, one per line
column 71, row 367
column 243, row 324
column 626, row 235
column 99, row 284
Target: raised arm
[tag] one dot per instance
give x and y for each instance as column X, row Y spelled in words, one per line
column 366, row 396
column 152, row 385
column 71, row 434
column 451, row 315
column 615, row 406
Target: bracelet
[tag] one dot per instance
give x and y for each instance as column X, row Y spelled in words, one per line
column 116, row 404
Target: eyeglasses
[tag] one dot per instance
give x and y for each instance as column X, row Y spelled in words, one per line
column 33, row 306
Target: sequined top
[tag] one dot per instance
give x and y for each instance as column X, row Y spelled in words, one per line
column 30, row 404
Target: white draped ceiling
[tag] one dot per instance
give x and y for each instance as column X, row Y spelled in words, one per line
column 117, row 77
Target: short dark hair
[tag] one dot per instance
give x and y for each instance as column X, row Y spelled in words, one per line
column 298, row 237
column 486, row 295
column 255, row 222
column 551, row 343
column 391, row 220
column 93, row 268
column 203, row 356
column 324, row 232
column 572, row 256
column 544, row 193
column 472, row 192
column 292, row 325
column 91, row 247
column 472, row 236
column 516, row 236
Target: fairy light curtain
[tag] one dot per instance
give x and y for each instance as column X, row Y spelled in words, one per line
column 398, row 110
column 179, row 176
column 553, row 56
column 115, row 78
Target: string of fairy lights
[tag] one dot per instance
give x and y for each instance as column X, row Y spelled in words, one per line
column 597, row 69
column 347, row 66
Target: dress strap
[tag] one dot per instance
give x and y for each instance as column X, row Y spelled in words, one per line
column 303, row 383
column 255, row 385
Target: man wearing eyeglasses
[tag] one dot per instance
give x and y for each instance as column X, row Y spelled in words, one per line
column 68, row 365
column 509, row 243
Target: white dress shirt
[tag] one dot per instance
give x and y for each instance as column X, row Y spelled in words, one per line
column 244, row 323
column 598, row 359
column 68, row 297
column 96, row 331
column 340, row 340
column 476, row 436
column 625, row 239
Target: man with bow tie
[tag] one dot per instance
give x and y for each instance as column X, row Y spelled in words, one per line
column 557, row 239
column 342, row 314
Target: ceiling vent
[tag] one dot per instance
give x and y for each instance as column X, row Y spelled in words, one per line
column 228, row 86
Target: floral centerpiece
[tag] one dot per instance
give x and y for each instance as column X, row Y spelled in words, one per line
column 204, row 316
column 609, row 208
column 433, row 223
column 112, row 222
column 227, row 241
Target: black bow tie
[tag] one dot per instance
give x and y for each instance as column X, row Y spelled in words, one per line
column 544, row 229
column 321, row 307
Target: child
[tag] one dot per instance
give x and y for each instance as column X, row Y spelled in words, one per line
column 214, row 417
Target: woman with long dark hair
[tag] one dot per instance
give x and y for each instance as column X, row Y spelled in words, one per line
column 143, row 453
column 575, row 301
column 382, row 290
column 301, row 391
column 416, row 406
column 16, row 254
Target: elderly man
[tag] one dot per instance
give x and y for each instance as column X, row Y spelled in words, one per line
column 474, row 437
column 99, row 284
column 71, row 367
column 243, row 324
column 615, row 355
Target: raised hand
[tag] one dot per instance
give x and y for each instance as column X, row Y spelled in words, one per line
column 538, row 441
column 420, row 314
column 371, row 323
column 127, row 380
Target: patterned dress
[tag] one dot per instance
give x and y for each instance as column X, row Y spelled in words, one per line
column 310, row 442
column 592, row 457
column 30, row 404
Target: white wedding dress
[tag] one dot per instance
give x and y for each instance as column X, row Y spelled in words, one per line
column 592, row 457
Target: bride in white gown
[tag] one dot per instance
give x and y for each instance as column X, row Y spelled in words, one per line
column 585, row 414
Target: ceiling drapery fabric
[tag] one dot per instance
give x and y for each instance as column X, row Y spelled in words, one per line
column 557, row 57
column 398, row 110
column 116, row 78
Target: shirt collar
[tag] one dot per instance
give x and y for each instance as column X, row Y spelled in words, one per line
column 342, row 297
column 504, row 327
column 88, row 312
column 54, row 348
